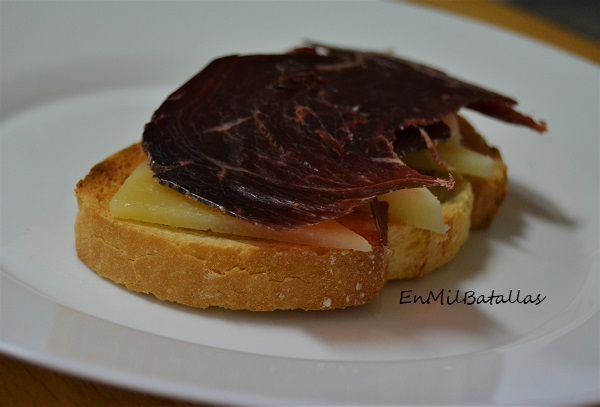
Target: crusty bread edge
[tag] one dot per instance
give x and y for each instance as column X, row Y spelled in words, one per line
column 417, row 252
column 202, row 269
column 488, row 193
column 473, row 204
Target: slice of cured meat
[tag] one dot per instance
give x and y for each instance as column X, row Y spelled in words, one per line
column 299, row 138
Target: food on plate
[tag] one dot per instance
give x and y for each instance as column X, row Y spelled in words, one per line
column 303, row 180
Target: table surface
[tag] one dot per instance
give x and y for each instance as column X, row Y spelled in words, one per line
column 24, row 384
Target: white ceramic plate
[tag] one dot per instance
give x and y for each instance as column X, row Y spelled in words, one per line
column 79, row 80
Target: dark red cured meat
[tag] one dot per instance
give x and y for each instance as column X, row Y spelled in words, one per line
column 296, row 139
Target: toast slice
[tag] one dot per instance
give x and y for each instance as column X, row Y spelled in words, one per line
column 473, row 204
column 203, row 269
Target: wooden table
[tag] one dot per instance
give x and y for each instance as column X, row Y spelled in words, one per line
column 24, row 384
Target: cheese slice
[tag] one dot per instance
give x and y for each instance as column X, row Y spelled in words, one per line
column 417, row 207
column 460, row 159
column 142, row 198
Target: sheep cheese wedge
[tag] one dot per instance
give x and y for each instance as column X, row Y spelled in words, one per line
column 142, row 198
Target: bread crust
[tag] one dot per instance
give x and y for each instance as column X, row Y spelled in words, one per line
column 473, row 204
column 203, row 269
column 488, row 193
column 417, row 252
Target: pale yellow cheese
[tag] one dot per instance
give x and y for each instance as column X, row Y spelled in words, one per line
column 417, row 207
column 452, row 122
column 460, row 160
column 142, row 198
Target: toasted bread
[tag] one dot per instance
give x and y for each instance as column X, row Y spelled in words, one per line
column 472, row 205
column 202, row 269
column 489, row 193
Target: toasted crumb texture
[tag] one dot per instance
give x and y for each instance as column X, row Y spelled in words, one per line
column 488, row 193
column 473, row 204
column 417, row 252
column 203, row 269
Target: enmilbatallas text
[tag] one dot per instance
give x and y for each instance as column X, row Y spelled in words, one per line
column 450, row 297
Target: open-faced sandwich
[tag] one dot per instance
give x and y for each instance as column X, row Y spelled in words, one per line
column 303, row 180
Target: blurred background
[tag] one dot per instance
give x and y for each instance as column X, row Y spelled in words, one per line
column 582, row 16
